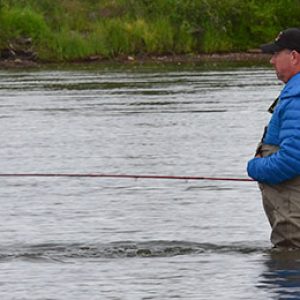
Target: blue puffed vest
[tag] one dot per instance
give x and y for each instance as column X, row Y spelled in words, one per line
column 283, row 131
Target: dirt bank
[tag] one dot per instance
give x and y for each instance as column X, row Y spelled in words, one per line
column 255, row 57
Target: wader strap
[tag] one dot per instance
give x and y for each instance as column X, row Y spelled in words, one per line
column 273, row 105
column 259, row 146
column 270, row 110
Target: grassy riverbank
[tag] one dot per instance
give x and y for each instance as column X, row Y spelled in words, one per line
column 68, row 30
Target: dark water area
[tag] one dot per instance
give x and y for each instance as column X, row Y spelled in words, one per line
column 113, row 238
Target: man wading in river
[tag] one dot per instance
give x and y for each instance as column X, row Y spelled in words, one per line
column 276, row 165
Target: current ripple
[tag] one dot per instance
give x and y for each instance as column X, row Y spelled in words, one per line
column 122, row 249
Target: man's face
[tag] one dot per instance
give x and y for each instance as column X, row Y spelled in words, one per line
column 282, row 62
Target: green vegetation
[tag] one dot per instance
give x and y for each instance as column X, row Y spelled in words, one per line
column 64, row 30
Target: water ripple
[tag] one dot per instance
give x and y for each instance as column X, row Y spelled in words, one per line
column 122, row 249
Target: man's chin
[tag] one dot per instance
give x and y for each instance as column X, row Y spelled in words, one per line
column 280, row 77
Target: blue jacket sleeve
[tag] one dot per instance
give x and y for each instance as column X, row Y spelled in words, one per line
column 285, row 163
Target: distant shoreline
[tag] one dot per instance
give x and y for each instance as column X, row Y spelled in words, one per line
column 251, row 57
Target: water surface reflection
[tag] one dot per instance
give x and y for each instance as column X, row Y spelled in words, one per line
column 282, row 274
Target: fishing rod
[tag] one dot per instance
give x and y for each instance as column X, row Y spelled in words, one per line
column 132, row 176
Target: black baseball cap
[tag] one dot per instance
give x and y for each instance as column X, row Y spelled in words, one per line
column 287, row 39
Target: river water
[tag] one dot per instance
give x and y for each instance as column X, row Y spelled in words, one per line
column 109, row 238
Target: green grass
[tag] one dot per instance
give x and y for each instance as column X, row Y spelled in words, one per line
column 64, row 30
column 22, row 22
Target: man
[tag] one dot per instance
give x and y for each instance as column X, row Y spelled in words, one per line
column 276, row 165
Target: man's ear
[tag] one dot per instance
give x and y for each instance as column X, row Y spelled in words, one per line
column 296, row 57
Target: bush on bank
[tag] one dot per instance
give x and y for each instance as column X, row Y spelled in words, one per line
column 74, row 29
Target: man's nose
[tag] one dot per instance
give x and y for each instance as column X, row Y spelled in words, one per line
column 272, row 60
